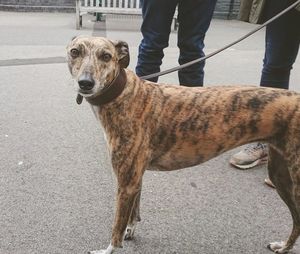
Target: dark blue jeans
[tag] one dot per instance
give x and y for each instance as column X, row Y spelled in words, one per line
column 282, row 44
column 194, row 18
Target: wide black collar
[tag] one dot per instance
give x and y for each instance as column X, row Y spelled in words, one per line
column 109, row 92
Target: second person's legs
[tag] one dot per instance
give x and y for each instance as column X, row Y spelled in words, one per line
column 194, row 17
column 281, row 45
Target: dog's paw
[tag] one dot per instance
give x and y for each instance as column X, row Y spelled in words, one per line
column 279, row 247
column 109, row 250
column 129, row 233
column 97, row 252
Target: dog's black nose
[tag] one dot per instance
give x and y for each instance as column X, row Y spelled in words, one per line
column 86, row 81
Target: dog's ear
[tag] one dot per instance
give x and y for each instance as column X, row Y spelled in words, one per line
column 70, row 43
column 123, row 53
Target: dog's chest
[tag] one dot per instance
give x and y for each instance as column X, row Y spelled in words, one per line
column 95, row 110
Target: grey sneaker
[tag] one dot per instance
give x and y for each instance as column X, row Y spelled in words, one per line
column 253, row 155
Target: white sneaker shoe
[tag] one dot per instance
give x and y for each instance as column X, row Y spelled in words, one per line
column 253, row 155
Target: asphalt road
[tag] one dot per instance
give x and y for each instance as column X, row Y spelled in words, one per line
column 56, row 183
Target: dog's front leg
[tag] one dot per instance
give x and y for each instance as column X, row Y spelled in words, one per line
column 128, row 191
column 125, row 203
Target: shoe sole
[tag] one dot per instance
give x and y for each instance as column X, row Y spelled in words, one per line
column 251, row 165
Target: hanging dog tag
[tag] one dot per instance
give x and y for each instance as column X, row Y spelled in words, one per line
column 79, row 99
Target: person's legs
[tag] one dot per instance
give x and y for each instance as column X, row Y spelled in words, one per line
column 281, row 48
column 194, row 18
column 281, row 45
column 156, row 28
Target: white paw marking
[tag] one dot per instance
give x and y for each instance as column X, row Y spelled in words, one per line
column 109, row 250
column 129, row 232
column 278, row 247
column 97, row 252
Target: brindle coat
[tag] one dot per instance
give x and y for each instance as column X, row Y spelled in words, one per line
column 167, row 127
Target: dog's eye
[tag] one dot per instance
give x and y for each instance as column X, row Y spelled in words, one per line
column 106, row 57
column 74, row 53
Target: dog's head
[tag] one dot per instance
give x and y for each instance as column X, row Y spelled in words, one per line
column 94, row 62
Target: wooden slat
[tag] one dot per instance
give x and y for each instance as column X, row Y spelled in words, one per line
column 122, row 4
column 130, row 7
column 111, row 10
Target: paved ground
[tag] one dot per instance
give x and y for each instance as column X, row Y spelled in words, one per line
column 56, row 185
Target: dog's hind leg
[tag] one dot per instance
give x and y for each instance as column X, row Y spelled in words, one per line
column 285, row 246
column 134, row 218
column 288, row 189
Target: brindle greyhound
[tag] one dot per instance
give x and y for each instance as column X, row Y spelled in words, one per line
column 166, row 127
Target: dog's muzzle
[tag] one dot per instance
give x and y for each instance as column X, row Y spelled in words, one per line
column 86, row 82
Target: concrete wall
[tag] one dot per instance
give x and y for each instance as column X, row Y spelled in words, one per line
column 38, row 5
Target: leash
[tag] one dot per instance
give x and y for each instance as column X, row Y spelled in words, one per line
column 157, row 74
